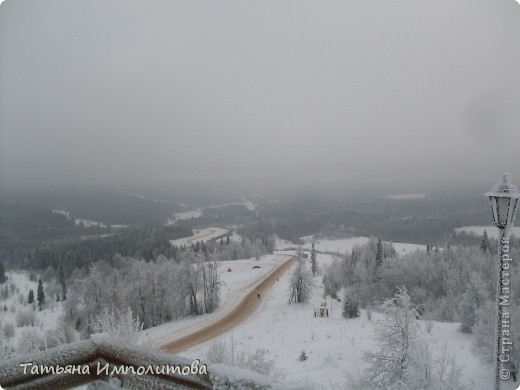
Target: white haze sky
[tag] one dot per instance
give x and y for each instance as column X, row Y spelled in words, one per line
column 107, row 90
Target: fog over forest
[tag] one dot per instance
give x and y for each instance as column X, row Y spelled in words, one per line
column 119, row 91
column 290, row 188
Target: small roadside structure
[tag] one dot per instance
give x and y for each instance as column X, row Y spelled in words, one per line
column 322, row 311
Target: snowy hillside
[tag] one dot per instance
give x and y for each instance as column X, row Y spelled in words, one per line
column 492, row 231
column 334, row 345
column 23, row 326
column 345, row 245
column 193, row 214
column 86, row 222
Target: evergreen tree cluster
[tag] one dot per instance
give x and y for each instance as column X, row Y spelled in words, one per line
column 228, row 249
column 61, row 279
column 146, row 243
column 3, row 278
column 40, row 295
column 314, row 260
column 395, row 221
column 484, row 242
column 30, row 298
column 350, row 307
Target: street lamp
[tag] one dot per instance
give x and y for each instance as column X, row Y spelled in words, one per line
column 504, row 201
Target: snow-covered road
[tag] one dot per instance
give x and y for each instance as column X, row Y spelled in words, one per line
column 238, row 314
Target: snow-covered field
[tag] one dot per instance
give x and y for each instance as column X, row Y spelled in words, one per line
column 198, row 235
column 134, row 195
column 86, row 222
column 96, row 236
column 249, row 205
column 334, row 345
column 198, row 212
column 139, row 196
column 185, row 215
column 492, row 231
column 345, row 245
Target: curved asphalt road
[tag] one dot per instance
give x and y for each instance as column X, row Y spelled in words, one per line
column 247, row 306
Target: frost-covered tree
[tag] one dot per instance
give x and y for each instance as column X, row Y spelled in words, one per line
column 352, row 263
column 329, row 287
column 30, row 342
column 217, row 352
column 210, row 283
column 271, row 243
column 429, row 371
column 314, row 260
column 350, row 306
column 484, row 335
column 40, row 295
column 405, row 359
column 395, row 334
column 61, row 279
column 474, row 297
column 484, row 242
column 6, row 348
column 436, row 283
column 62, row 334
column 94, row 293
column 467, row 313
column 379, row 253
column 221, row 352
column 378, row 262
column 157, row 291
column 191, row 282
column 121, row 326
column 301, row 284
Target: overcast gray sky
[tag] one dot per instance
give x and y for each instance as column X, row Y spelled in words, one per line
column 101, row 90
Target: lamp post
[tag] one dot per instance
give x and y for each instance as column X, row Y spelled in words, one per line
column 504, row 201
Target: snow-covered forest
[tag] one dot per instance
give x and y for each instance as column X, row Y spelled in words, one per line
column 126, row 289
column 453, row 284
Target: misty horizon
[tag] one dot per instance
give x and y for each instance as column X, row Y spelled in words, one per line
column 117, row 92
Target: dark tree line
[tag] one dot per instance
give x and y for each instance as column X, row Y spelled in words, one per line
column 108, row 206
column 2, row 274
column 145, row 243
column 24, row 227
column 415, row 221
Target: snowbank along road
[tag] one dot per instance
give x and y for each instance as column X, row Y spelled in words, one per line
column 245, row 308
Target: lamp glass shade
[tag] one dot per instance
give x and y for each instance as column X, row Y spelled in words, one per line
column 504, row 200
column 503, row 205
